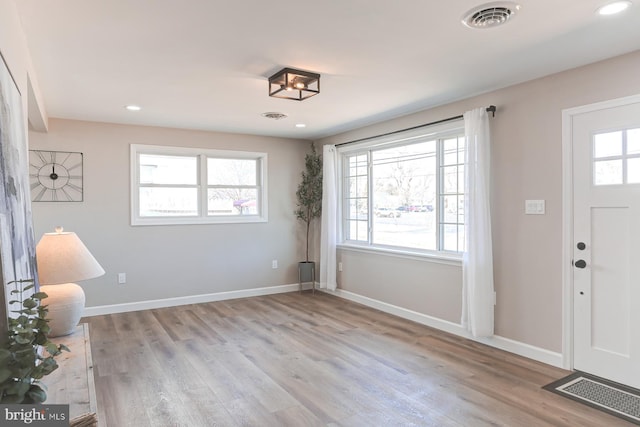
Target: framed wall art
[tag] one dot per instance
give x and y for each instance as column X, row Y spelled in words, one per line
column 17, row 243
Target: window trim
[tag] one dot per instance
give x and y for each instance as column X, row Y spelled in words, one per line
column 438, row 131
column 202, row 185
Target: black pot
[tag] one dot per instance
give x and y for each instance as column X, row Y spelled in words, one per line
column 307, row 272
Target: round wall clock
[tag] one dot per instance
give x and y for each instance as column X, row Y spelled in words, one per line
column 56, row 176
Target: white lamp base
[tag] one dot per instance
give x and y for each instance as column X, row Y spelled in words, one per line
column 66, row 304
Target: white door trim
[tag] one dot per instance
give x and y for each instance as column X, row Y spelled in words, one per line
column 567, row 217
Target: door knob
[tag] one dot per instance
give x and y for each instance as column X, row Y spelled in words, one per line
column 581, row 246
column 580, row 263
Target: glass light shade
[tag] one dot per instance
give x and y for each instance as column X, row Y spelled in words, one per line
column 63, row 258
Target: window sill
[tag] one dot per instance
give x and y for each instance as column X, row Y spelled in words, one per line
column 197, row 220
column 439, row 258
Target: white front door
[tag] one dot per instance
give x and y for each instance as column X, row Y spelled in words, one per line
column 606, row 241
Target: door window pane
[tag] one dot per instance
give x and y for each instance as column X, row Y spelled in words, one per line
column 633, row 141
column 607, row 144
column 608, row 172
column 616, row 157
column 633, row 171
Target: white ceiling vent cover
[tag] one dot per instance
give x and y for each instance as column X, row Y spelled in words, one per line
column 490, row 15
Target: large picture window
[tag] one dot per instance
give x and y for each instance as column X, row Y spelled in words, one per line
column 405, row 192
column 173, row 185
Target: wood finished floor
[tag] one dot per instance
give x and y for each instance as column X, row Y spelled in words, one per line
column 302, row 360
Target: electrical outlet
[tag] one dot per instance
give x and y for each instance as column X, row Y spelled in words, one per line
column 274, row 264
column 122, row 278
column 340, row 266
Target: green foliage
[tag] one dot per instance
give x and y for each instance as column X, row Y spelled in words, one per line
column 309, row 193
column 27, row 355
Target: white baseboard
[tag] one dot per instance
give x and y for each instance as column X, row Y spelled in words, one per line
column 516, row 347
column 193, row 299
column 506, row 344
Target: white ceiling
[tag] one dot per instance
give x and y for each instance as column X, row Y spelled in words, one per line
column 204, row 64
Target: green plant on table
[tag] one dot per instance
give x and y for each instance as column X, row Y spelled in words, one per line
column 27, row 355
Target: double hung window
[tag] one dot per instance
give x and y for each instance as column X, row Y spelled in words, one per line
column 173, row 185
column 405, row 192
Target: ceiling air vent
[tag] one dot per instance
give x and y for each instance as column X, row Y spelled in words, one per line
column 274, row 115
column 490, row 15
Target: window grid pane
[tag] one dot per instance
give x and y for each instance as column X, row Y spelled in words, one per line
column 356, row 204
column 451, row 207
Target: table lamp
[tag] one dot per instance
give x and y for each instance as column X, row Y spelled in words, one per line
column 62, row 258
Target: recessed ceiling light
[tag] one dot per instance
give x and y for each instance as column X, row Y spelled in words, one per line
column 133, row 107
column 613, row 8
column 301, row 125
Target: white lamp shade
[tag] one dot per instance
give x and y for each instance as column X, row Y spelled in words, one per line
column 63, row 258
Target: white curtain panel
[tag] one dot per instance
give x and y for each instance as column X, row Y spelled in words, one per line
column 329, row 221
column 477, row 283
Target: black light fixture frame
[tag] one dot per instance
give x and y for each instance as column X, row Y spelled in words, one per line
column 297, row 85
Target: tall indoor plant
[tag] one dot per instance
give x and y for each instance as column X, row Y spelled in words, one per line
column 309, row 197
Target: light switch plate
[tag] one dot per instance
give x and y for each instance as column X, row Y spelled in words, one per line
column 534, row 207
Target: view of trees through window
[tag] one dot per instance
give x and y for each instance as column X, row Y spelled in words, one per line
column 404, row 195
column 408, row 195
column 232, row 186
column 169, row 186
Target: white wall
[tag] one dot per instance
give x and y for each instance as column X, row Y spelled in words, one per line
column 13, row 46
column 526, row 164
column 178, row 260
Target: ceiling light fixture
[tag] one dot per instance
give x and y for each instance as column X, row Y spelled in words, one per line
column 490, row 15
column 301, row 125
column 133, row 107
column 298, row 85
column 613, row 8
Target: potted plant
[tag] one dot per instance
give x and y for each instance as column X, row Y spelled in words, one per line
column 309, row 197
column 27, row 355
